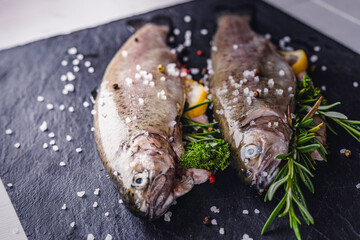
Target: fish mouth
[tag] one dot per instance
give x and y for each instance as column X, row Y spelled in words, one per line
column 160, row 198
column 264, row 176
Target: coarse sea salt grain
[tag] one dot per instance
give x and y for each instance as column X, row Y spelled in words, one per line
column 10, row 185
column 70, row 76
column 91, row 70
column 80, row 56
column 317, row 48
column 63, row 77
column 62, row 164
column 76, row 61
column 64, row 63
column 127, row 120
column 176, row 31
column 87, row 63
column 204, row 31
column 124, row 53
column 187, row 19
column 45, row 145
column 128, row 80
column 256, row 211
column 214, row 209
column 93, row 112
column 246, row 237
column 108, row 237
column 78, row 150
column 55, row 148
column 342, row 151
column 95, row 205
column 76, row 68
column 8, row 131
column 270, row 83
column 97, row 191
column 323, row 88
column 63, row 207
column 290, row 89
column 43, row 126
column 107, row 214
column 86, row 104
column 90, row 237
column 314, row 58
column 40, row 98
column 50, row 106
column 62, row 107
column 51, row 135
column 214, row 48
column 167, row 216
column 80, row 194
column 279, row 92
column 72, row 224
column 246, row 212
column 268, row 36
column 17, row 145
column 141, row 101
column 71, row 109
column 222, row 231
column 213, row 222
column 323, row 68
column 281, row 73
column 358, row 186
column 68, row 138
column 72, row 51
column 355, row 84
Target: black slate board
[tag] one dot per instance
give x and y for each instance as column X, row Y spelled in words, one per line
column 41, row 186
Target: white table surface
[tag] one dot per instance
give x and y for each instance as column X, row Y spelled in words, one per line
column 24, row 21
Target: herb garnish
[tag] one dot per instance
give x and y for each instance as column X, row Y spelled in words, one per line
column 203, row 149
column 310, row 104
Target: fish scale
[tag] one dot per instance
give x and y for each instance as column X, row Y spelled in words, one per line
column 244, row 62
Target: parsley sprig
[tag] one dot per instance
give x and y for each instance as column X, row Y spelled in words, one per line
column 311, row 107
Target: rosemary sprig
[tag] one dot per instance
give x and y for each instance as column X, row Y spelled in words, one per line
column 310, row 104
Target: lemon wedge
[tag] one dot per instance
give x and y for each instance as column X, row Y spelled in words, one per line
column 195, row 93
column 297, row 60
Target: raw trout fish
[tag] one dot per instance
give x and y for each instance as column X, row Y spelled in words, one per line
column 252, row 87
column 137, row 129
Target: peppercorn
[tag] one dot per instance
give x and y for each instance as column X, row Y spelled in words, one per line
column 204, row 70
column 255, row 94
column 347, row 153
column 116, row 86
column 207, row 220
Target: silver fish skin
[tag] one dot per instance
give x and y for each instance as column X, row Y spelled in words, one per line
column 252, row 87
column 137, row 129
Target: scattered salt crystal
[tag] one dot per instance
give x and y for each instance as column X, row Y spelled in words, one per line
column 92, row 129
column 62, row 107
column 93, row 112
column 281, row 73
column 317, row 48
column 152, row 84
column 146, row 82
column 235, row 46
column 127, row 120
column 62, row 164
column 52, row 142
column 276, row 124
column 187, row 19
column 91, row 69
column 43, row 126
column 290, row 89
column 55, row 148
column 246, row 91
column 214, row 209
column 128, row 80
column 323, row 68
column 249, row 101
column 279, row 92
column 138, row 67
column 107, row 214
column 137, row 76
column 80, row 56
column 266, row 91
column 40, row 98
column 95, row 205
column 63, row 207
column 65, row 92
column 141, row 101
column 269, row 124
column 358, row 186
column 64, row 63
column 256, row 211
column 71, row 109
column 10, row 185
column 270, row 83
column 287, row 39
column 90, row 237
column 80, row 194
column 97, row 191
column 70, row 76
column 264, row 174
column 51, row 135
column 214, row 48
column 8, row 131
column 268, row 36
column 76, row 61
column 342, row 151
column 355, row 84
column 72, row 224
column 246, row 212
column 78, row 150
column 235, row 93
column 167, row 216
column 124, row 53
column 323, row 88
column 76, row 68
column 176, row 31
column 86, row 104
column 194, row 71
column 72, row 51
column 314, row 58
column 108, row 237
column 204, row 31
column 68, row 138
column 222, row 231
column 49, row 106
column 246, row 237
column 256, row 78
column 214, row 222
column 87, row 63
column 45, row 145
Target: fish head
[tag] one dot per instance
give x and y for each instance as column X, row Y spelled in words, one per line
column 149, row 184
column 259, row 148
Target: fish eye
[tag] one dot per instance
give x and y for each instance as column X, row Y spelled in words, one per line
column 250, row 151
column 140, row 180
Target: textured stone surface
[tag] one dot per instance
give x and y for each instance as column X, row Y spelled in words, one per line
column 41, row 186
